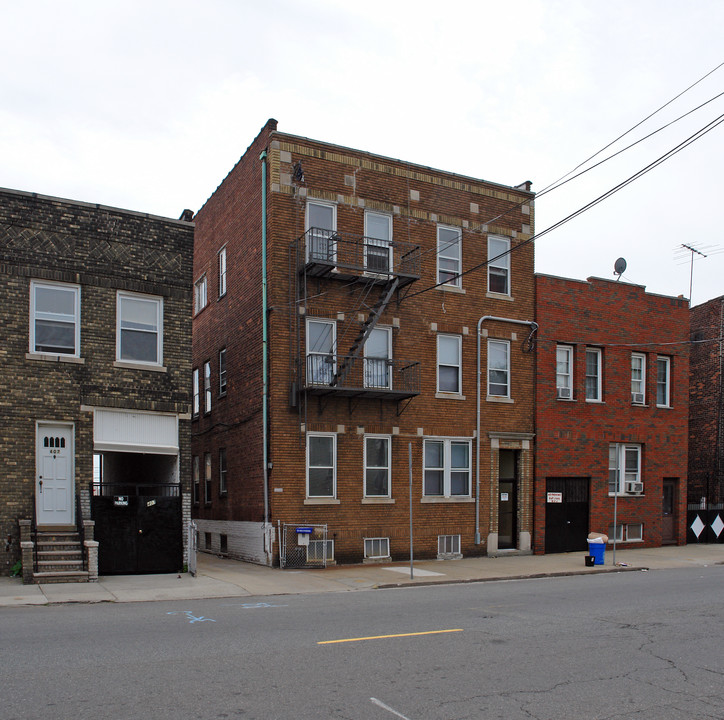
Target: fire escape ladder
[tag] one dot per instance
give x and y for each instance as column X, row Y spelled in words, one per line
column 347, row 362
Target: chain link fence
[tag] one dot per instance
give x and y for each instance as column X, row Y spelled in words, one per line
column 304, row 546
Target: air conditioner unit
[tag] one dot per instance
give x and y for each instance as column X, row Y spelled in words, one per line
column 637, row 398
column 635, row 488
column 564, row 393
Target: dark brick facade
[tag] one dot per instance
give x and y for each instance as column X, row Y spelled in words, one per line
column 417, row 200
column 101, row 251
column 573, row 435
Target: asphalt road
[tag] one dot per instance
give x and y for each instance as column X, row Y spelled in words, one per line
column 630, row 645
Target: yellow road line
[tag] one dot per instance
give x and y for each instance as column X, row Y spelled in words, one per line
column 381, row 637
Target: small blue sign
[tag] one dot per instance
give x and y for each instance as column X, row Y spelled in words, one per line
column 305, row 531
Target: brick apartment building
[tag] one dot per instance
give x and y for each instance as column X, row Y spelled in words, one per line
column 611, row 414
column 706, row 427
column 343, row 304
column 96, row 407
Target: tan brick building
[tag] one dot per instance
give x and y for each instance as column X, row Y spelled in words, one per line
column 343, row 305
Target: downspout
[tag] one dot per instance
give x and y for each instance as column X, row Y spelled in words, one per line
column 534, row 326
column 265, row 357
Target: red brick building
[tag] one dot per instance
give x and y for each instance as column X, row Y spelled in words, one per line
column 344, row 303
column 612, row 403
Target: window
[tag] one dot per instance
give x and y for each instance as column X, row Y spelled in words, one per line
column 140, row 328
column 378, row 242
column 200, row 296
column 448, row 545
column 223, row 543
column 378, row 355
column 449, row 363
column 593, row 374
column 498, row 368
column 196, row 479
column 446, row 467
column 222, row 471
column 55, row 319
column 663, row 376
column 631, row 532
column 207, row 387
column 317, row 549
column 498, row 265
column 222, row 272
column 564, row 372
column 321, row 338
column 207, row 478
column 195, row 384
column 321, row 229
column 377, row 548
column 222, row 372
column 377, row 466
column 624, row 469
column 449, row 256
column 638, row 378
column 321, row 465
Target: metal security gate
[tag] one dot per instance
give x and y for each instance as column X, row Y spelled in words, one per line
column 567, row 512
column 304, row 546
column 705, row 523
column 138, row 528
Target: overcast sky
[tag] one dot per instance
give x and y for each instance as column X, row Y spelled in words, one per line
column 147, row 105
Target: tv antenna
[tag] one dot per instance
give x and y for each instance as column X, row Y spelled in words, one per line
column 686, row 253
column 619, row 268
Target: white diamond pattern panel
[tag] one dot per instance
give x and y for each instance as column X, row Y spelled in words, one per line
column 697, row 526
column 717, row 526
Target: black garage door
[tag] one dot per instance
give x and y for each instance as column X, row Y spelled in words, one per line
column 567, row 513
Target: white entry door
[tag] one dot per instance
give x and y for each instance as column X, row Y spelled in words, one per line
column 54, row 487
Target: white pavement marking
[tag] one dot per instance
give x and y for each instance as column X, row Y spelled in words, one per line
column 191, row 618
column 417, row 571
column 379, row 703
column 249, row 606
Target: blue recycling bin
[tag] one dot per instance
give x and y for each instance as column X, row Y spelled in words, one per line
column 598, row 551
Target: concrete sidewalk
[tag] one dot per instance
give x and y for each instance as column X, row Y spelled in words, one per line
column 223, row 578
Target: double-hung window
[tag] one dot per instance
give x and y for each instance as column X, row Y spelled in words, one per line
column 222, row 272
column 498, row 265
column 222, row 371
column 378, row 242
column 321, row 465
column 498, row 368
column 207, row 478
column 195, row 384
column 377, row 465
column 55, row 318
column 377, row 361
column 446, row 467
column 207, row 387
column 564, row 372
column 140, row 328
column 663, row 380
column 638, row 378
column 196, row 479
column 222, row 471
column 449, row 364
column 449, row 256
column 593, row 375
column 624, row 469
column 321, row 341
column 321, row 232
column 200, row 294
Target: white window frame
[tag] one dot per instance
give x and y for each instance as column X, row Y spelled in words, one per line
column 373, row 244
column 564, row 372
column 376, row 548
column 322, row 245
column 196, row 397
column 54, row 317
column 387, row 467
column 598, row 377
column 638, row 378
column 313, row 550
column 158, row 331
column 222, row 272
column 201, row 294
column 377, row 368
column 505, row 344
column 499, row 263
column 448, row 545
column 446, row 468
column 665, row 362
column 222, row 472
column 321, row 365
column 207, row 387
column 620, row 468
column 222, row 372
column 449, row 265
column 333, row 438
column 451, row 341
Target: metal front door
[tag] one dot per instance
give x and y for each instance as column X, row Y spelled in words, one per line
column 668, row 512
column 507, row 499
column 567, row 512
column 54, row 488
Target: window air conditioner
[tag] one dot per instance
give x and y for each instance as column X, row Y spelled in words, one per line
column 635, row 488
column 637, row 398
column 564, row 393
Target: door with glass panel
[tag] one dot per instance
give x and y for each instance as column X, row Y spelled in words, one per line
column 378, row 243
column 321, row 239
column 321, row 340
column 378, row 353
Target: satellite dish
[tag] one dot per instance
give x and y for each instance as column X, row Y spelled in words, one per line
column 619, row 267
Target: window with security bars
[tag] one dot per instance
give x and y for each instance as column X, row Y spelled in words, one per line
column 377, row 547
column 448, row 544
column 316, row 548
